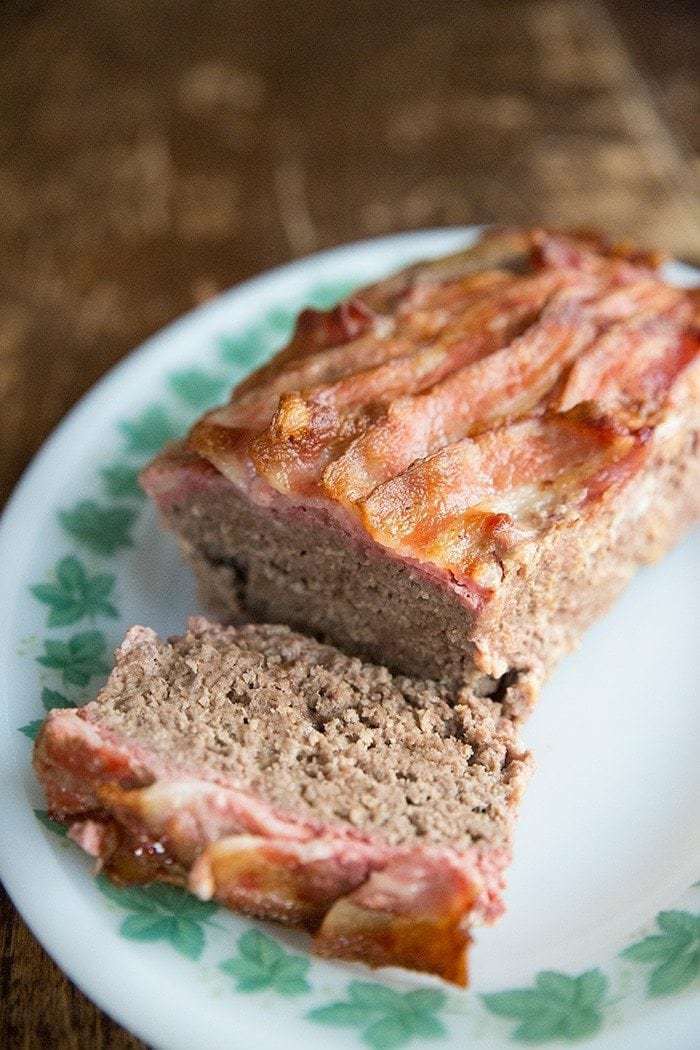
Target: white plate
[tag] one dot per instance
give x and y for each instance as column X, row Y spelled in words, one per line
column 609, row 835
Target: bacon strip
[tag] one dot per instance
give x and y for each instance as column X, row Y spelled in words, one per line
column 311, row 429
column 592, row 254
column 254, row 401
column 300, row 880
column 422, row 317
column 412, row 914
column 319, row 329
column 507, row 249
column 471, row 501
column 509, row 382
column 636, row 361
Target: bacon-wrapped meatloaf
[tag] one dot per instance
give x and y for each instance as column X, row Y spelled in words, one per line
column 279, row 776
column 457, row 469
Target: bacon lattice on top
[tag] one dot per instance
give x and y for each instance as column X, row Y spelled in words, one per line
column 459, row 406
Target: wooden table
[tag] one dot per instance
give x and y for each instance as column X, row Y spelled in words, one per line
column 156, row 153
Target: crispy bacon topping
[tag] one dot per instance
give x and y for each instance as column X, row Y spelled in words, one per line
column 465, row 506
column 327, row 419
column 319, row 329
column 436, row 407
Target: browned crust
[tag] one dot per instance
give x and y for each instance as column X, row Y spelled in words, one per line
column 437, row 945
column 261, row 884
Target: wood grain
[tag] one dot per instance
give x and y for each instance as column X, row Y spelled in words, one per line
column 152, row 154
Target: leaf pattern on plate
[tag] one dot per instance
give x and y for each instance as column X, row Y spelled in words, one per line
column 385, row 1018
column 558, row 1007
column 324, row 296
column 75, row 594
column 197, row 388
column 122, row 480
column 160, row 912
column 101, row 529
column 51, row 825
column 49, row 699
column 262, row 963
column 246, row 350
column 31, row 729
column 148, row 432
column 675, row 952
column 281, row 321
column 79, row 659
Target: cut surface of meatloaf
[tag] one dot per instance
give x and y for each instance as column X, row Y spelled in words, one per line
column 456, row 470
column 275, row 774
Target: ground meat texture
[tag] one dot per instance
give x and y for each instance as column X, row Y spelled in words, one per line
column 323, row 734
column 288, row 780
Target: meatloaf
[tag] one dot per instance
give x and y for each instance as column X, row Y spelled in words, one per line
column 456, row 470
column 285, row 779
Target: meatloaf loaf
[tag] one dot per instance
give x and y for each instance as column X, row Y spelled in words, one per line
column 457, row 469
column 275, row 774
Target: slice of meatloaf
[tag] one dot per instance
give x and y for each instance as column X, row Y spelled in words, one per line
column 261, row 768
column 456, row 470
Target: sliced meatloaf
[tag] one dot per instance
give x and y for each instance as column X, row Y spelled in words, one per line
column 456, row 470
column 275, row 774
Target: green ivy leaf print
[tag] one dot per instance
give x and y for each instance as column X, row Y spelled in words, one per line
column 121, row 480
column 101, row 529
column 75, row 595
column 160, row 912
column 255, row 344
column 675, row 952
column 558, row 1007
column 281, row 320
column 197, row 388
column 79, row 659
column 150, row 431
column 263, row 963
column 31, row 729
column 51, row 825
column 244, row 350
column 386, row 1018
column 327, row 295
column 49, row 699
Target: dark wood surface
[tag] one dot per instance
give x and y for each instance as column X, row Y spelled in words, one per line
column 152, row 154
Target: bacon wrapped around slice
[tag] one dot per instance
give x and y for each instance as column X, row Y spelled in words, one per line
column 399, row 897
